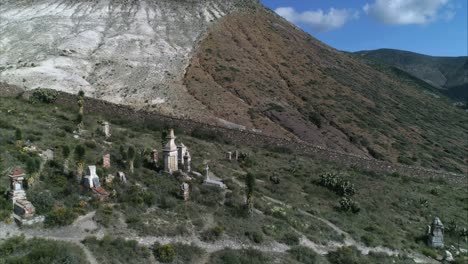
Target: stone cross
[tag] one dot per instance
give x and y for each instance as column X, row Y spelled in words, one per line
column 106, row 161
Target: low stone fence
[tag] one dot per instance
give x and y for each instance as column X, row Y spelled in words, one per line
column 255, row 139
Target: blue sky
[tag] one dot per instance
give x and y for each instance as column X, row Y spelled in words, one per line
column 433, row 27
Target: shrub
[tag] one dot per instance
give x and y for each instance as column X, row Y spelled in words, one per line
column 316, row 119
column 60, row 216
column 43, row 201
column 290, row 239
column 303, row 255
column 345, row 255
column 19, row 250
column 375, row 154
column 368, row 240
column 254, row 236
column 46, row 96
column 336, row 184
column 349, row 205
column 165, row 253
column 212, row 234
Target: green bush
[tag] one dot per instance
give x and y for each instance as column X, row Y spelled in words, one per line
column 60, row 216
column 111, row 250
column 39, row 251
column 336, row 184
column 290, row 239
column 349, row 205
column 212, row 234
column 43, row 201
column 165, row 253
column 345, row 255
column 303, row 254
column 316, row 119
column 47, row 96
column 255, row 236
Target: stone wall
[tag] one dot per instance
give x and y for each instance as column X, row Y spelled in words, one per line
column 254, row 139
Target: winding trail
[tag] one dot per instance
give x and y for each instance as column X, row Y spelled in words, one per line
column 86, row 226
column 348, row 240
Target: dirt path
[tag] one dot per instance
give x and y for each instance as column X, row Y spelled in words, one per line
column 86, row 226
column 348, row 240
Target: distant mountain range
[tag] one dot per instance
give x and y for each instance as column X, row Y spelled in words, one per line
column 450, row 74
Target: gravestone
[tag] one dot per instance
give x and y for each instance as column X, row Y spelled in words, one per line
column 436, row 234
column 106, row 161
column 184, row 191
column 106, row 129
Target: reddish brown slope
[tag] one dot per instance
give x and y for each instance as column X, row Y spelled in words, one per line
column 258, row 70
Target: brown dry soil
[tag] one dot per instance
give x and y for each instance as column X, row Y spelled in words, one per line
column 256, row 69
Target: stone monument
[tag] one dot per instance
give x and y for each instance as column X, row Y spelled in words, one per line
column 170, row 154
column 181, row 149
column 106, row 161
column 184, row 191
column 106, row 129
column 16, row 187
column 187, row 162
column 436, row 234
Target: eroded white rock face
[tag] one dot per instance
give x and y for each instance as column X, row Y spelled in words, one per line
column 129, row 52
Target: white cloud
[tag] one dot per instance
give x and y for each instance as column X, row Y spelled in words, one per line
column 405, row 12
column 318, row 20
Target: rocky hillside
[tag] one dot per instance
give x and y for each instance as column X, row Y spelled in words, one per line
column 213, row 65
column 275, row 77
column 447, row 73
column 129, row 52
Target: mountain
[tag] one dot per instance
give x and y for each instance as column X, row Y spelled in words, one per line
column 230, row 63
column 447, row 73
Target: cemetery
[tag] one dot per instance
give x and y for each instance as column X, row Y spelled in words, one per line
column 150, row 181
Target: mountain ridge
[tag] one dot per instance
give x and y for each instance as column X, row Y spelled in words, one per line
column 450, row 74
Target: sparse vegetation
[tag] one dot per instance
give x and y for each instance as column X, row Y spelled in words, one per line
column 149, row 205
column 34, row 251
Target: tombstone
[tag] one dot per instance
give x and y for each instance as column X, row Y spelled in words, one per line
column 170, row 153
column 181, row 149
column 16, row 187
column 213, row 182
column 24, row 209
column 106, row 129
column 436, row 234
column 154, row 156
column 229, row 155
column 185, row 191
column 106, row 161
column 92, row 179
column 187, row 162
column 236, row 154
column 207, row 171
column 109, row 178
column 122, row 177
